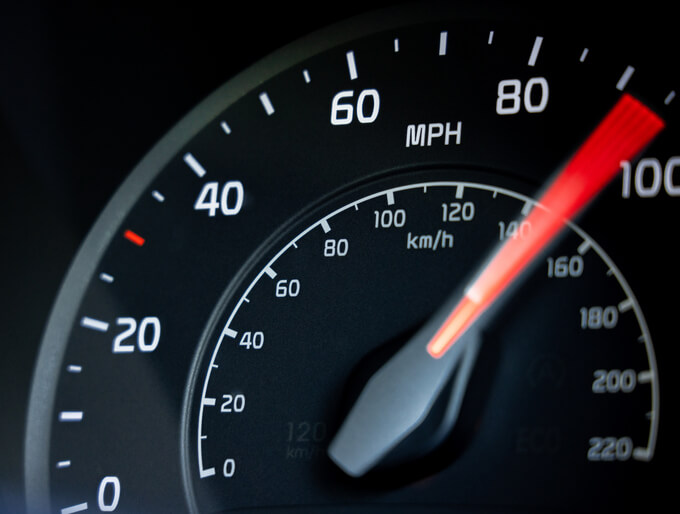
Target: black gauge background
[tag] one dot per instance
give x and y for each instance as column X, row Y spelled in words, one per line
column 87, row 89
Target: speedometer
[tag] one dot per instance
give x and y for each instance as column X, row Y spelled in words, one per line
column 408, row 261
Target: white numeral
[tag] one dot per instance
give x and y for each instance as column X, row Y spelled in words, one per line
column 335, row 247
column 614, row 381
column 254, row 340
column 457, row 211
column 565, row 266
column 342, row 113
column 510, row 99
column 230, row 199
column 595, row 318
column 148, row 335
column 288, row 288
column 648, row 176
column 233, row 403
column 108, row 494
column 513, row 230
column 610, row 449
column 388, row 218
column 229, row 468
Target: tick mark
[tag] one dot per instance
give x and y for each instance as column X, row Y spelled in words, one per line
column 74, row 508
column 623, row 81
column 134, row 238
column 352, row 65
column 443, row 42
column 625, row 305
column 583, row 248
column 195, row 166
column 535, row 50
column 204, row 473
column 645, row 377
column 643, row 453
column 94, row 324
column 70, row 416
column 230, row 332
column 267, row 104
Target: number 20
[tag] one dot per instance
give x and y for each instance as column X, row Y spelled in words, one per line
column 148, row 335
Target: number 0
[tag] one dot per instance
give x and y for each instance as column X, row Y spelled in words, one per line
column 108, row 494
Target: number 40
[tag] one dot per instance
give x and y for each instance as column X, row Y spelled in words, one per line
column 229, row 201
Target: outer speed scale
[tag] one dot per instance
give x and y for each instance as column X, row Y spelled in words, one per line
column 221, row 336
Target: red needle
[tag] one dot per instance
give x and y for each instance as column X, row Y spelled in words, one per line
column 620, row 136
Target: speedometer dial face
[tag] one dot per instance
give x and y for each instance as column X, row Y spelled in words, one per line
column 250, row 323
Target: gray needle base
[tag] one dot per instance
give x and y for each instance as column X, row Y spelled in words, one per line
column 397, row 400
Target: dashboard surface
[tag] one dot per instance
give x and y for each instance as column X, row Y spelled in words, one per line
column 86, row 91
